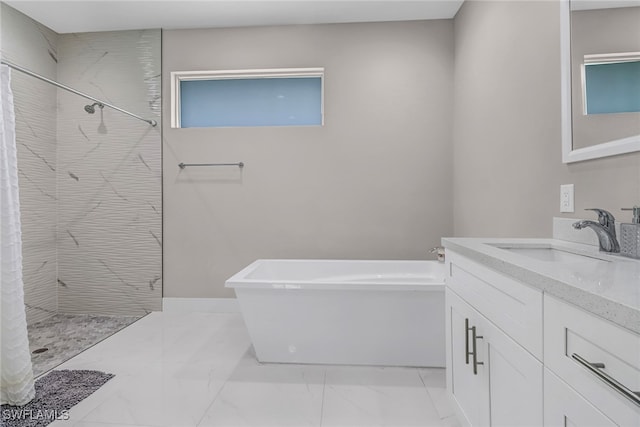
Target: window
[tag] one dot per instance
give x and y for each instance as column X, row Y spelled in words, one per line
column 611, row 83
column 241, row 98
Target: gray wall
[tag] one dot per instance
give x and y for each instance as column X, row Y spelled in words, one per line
column 374, row 182
column 109, row 175
column 595, row 32
column 507, row 150
column 34, row 46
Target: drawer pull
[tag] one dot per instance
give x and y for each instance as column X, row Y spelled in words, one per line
column 633, row 396
column 475, row 351
column 466, row 341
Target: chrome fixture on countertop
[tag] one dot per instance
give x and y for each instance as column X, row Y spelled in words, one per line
column 605, row 230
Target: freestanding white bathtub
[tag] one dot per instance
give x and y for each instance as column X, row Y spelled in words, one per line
column 388, row 313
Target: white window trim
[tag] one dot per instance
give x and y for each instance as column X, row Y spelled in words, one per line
column 611, row 58
column 179, row 76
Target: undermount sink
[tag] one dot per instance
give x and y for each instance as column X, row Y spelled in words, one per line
column 550, row 254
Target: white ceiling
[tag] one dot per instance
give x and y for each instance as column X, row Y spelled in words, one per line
column 111, row 15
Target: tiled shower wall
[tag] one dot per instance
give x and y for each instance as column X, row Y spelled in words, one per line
column 33, row 46
column 109, row 175
column 90, row 186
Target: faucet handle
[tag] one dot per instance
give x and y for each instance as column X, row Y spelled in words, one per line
column 605, row 218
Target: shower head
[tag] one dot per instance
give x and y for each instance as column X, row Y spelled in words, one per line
column 92, row 108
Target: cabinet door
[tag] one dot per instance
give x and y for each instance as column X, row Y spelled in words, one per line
column 468, row 390
column 514, row 381
column 564, row 407
column 506, row 387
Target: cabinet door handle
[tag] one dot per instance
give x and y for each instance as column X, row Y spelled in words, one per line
column 474, row 337
column 595, row 368
column 466, row 340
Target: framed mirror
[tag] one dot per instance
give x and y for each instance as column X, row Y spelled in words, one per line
column 600, row 65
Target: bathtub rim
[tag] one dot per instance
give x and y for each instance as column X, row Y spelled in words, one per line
column 239, row 280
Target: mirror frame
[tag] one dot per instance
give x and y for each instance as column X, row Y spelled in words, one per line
column 605, row 149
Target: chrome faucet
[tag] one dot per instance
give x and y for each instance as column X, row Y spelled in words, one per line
column 605, row 230
column 439, row 251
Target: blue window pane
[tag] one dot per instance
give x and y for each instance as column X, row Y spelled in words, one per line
column 251, row 102
column 613, row 88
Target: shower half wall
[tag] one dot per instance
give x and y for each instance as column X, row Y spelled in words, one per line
column 90, row 185
column 109, row 181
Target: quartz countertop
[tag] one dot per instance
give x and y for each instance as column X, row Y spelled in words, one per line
column 603, row 284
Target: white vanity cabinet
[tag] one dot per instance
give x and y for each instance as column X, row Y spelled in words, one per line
column 539, row 361
column 492, row 378
column 595, row 362
column 563, row 406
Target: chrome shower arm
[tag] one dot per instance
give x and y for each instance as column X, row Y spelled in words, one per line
column 72, row 90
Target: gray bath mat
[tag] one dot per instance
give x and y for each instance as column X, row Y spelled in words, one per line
column 56, row 393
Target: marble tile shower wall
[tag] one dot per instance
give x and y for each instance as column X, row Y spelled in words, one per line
column 33, row 46
column 109, row 175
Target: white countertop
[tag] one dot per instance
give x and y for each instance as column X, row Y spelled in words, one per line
column 608, row 286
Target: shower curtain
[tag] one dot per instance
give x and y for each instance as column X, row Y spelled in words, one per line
column 16, row 373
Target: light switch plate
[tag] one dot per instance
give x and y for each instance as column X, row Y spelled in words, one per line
column 566, row 198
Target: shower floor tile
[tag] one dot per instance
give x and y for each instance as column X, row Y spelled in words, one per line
column 66, row 335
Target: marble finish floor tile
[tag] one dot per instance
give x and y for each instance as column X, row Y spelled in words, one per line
column 436, row 384
column 199, row 370
column 269, row 395
column 158, row 396
column 66, row 335
column 83, row 424
column 372, row 396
